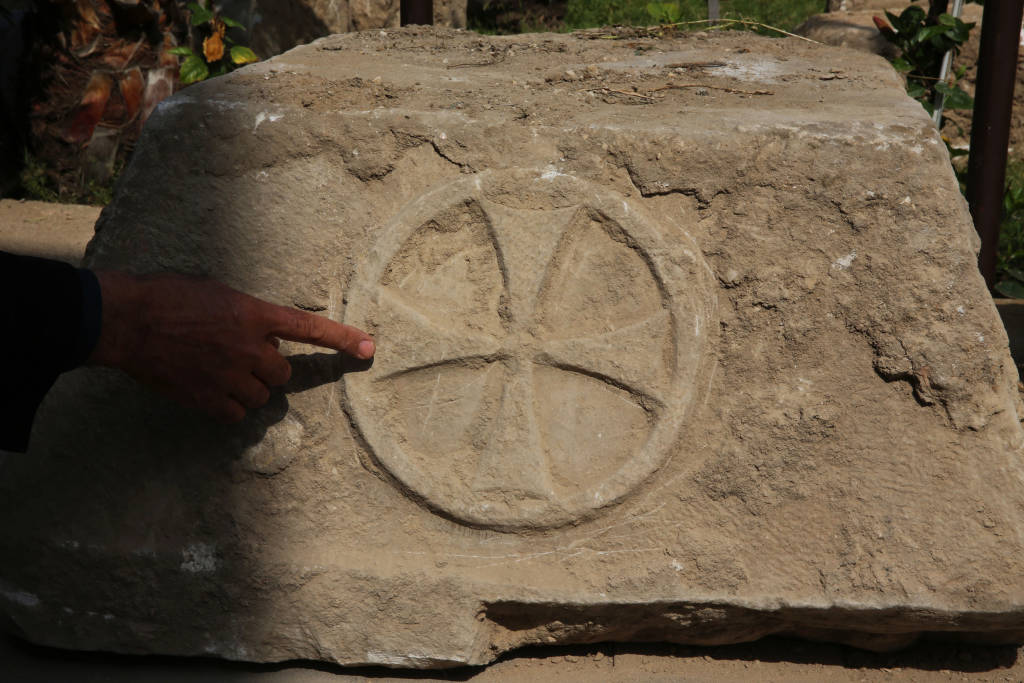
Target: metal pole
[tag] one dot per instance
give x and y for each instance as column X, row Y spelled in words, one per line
column 713, row 12
column 417, row 12
column 947, row 62
column 990, row 126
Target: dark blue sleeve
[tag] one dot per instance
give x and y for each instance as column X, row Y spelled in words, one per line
column 50, row 315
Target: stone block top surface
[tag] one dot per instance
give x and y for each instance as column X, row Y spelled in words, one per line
column 679, row 339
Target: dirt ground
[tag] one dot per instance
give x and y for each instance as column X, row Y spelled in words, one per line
column 772, row 659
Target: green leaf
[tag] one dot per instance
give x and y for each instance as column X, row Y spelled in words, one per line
column 183, row 51
column 914, row 13
column 193, row 69
column 915, row 90
column 928, row 32
column 960, row 33
column 1011, row 288
column 243, row 55
column 909, row 18
column 657, row 10
column 901, row 64
column 955, row 97
column 1015, row 274
column 228, row 21
column 200, row 15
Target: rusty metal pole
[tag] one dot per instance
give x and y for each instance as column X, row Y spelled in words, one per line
column 990, row 126
column 417, row 12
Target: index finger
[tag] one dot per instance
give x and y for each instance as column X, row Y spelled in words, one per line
column 300, row 326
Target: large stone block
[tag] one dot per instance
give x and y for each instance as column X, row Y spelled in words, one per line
column 678, row 340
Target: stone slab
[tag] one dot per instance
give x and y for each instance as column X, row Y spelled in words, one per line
column 57, row 231
column 679, row 340
column 856, row 28
column 274, row 26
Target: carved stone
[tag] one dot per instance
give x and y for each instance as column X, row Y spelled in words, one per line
column 504, row 297
column 677, row 340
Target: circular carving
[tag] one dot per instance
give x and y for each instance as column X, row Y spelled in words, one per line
column 539, row 347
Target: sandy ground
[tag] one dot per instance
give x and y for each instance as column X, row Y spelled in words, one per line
column 58, row 231
column 62, row 231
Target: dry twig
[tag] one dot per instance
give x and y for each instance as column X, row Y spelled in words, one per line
column 495, row 59
column 621, row 92
column 735, row 91
column 724, row 23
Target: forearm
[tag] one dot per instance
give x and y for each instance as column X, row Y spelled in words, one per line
column 49, row 319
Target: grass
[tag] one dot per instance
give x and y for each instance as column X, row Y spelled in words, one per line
column 524, row 16
column 784, row 14
column 35, row 183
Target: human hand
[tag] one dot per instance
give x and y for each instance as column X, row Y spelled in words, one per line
column 204, row 344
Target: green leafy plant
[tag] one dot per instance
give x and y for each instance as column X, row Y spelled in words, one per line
column 215, row 59
column 1010, row 266
column 35, row 182
column 735, row 14
column 664, row 12
column 923, row 42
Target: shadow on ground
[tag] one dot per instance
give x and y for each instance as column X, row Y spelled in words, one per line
column 32, row 663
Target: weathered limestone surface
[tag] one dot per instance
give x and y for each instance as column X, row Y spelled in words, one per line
column 667, row 351
column 855, row 30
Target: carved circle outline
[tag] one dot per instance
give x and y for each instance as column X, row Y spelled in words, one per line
column 678, row 269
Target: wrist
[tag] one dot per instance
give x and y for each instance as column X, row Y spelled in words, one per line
column 121, row 323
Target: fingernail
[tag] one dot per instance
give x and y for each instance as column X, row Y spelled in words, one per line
column 366, row 349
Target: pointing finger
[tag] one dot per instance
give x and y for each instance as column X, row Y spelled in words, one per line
column 287, row 323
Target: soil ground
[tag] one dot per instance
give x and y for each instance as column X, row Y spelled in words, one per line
column 771, row 659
